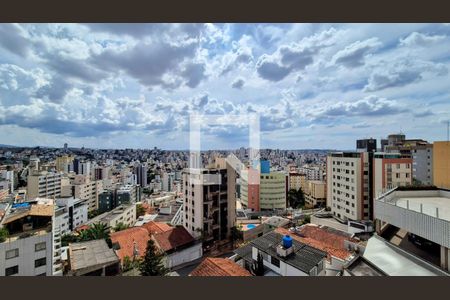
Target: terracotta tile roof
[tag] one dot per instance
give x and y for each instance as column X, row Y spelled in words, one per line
column 156, row 227
column 127, row 239
column 219, row 267
column 172, row 239
column 148, row 209
column 139, row 235
column 82, row 227
column 321, row 239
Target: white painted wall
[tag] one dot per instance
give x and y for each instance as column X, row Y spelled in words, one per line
column 184, row 256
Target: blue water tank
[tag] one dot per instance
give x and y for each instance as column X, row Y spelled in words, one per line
column 265, row 167
column 287, row 241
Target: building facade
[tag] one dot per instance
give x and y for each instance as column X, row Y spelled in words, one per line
column 441, row 164
column 44, row 184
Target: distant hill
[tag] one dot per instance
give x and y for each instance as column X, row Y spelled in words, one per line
column 7, row 146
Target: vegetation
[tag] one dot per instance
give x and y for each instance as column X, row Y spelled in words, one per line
column 3, row 234
column 258, row 266
column 140, row 210
column 296, row 198
column 67, row 239
column 93, row 214
column 97, row 231
column 120, row 226
column 129, row 264
column 152, row 264
column 235, row 234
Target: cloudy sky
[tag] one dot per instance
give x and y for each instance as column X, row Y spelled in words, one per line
column 133, row 85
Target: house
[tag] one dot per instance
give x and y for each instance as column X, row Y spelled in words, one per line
column 219, row 267
column 282, row 256
column 178, row 245
column 92, row 258
column 341, row 247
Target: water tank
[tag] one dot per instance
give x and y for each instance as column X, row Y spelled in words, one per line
column 287, row 242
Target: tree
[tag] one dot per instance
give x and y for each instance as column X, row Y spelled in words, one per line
column 98, row 231
column 258, row 266
column 152, row 264
column 3, row 234
column 140, row 210
column 129, row 264
column 67, row 239
column 296, row 198
column 235, row 234
column 120, row 226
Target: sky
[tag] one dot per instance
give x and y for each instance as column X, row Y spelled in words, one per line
column 313, row 86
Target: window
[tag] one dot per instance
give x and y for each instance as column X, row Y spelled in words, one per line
column 39, row 246
column 11, row 271
column 275, row 261
column 40, row 262
column 11, row 253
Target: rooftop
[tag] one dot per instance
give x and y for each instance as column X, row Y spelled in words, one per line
column 323, row 238
column 435, row 203
column 304, row 257
column 91, row 255
column 125, row 242
column 219, row 267
column 396, row 262
column 174, row 238
column 362, row 267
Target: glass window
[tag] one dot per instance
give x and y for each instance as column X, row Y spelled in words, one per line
column 275, row 261
column 40, row 262
column 11, row 253
column 40, row 246
column 11, row 271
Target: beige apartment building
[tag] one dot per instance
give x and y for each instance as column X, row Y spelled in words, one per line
column 348, row 186
column 390, row 170
column 44, row 184
column 63, row 162
column 297, row 181
column 209, row 201
column 315, row 193
column 88, row 190
column 441, row 164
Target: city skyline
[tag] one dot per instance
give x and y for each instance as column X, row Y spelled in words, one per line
column 315, row 86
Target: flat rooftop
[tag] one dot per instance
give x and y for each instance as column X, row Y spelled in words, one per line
column 435, row 203
column 91, row 254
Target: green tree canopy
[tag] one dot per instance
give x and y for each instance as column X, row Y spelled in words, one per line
column 152, row 264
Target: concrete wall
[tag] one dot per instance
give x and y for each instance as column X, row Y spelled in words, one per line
column 184, row 256
column 28, row 255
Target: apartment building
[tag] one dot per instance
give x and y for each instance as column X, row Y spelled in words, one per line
column 390, row 170
column 250, row 189
column 63, row 163
column 125, row 214
column 86, row 189
column 441, row 164
column 297, row 180
column 44, row 184
column 315, row 193
column 421, row 153
column 348, row 185
column 210, row 201
column 272, row 191
column 312, row 172
column 33, row 245
column 70, row 213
